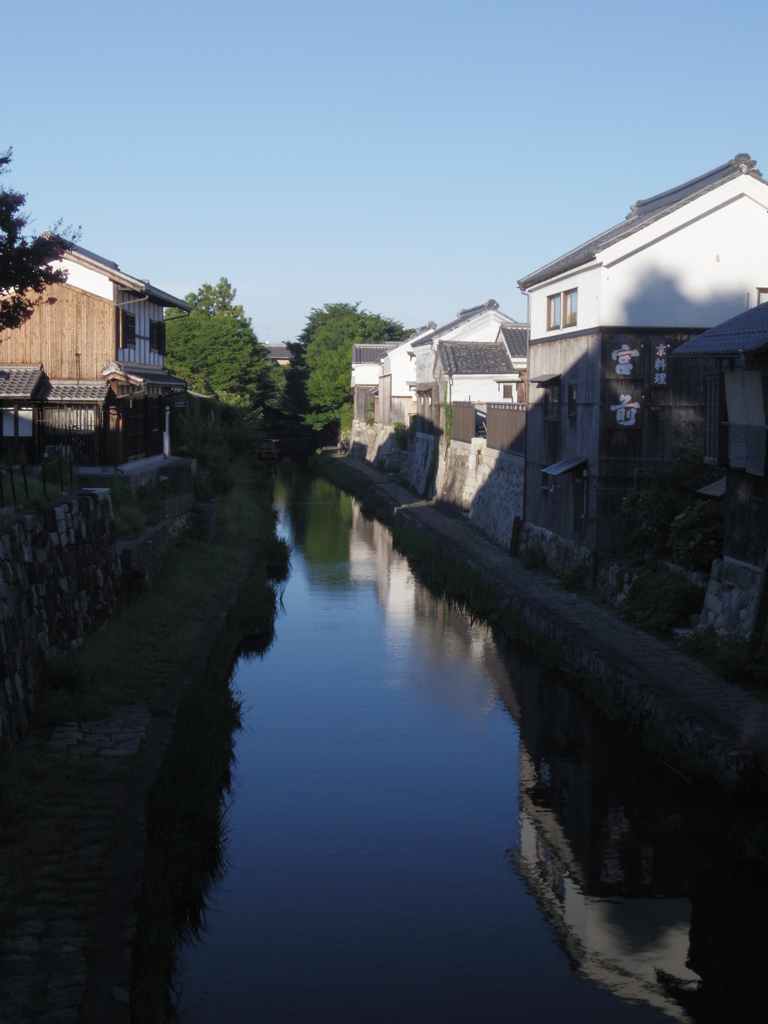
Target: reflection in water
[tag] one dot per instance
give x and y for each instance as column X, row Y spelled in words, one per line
column 393, row 753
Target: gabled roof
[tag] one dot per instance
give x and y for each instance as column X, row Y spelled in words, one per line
column 373, row 353
column 462, row 317
column 474, row 357
column 133, row 373
column 641, row 214
column 87, row 391
column 141, row 287
column 19, row 382
column 746, row 332
column 516, row 340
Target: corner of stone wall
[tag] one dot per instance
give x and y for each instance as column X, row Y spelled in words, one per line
column 558, row 551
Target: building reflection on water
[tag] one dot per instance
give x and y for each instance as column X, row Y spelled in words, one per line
column 626, row 861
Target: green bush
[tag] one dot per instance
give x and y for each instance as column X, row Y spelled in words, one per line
column 130, row 518
column 661, row 600
column 696, row 535
column 534, row 557
column 647, row 513
column 572, row 575
column 737, row 660
column 401, row 435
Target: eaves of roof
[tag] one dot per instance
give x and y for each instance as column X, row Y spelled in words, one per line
column 125, row 281
column 643, row 213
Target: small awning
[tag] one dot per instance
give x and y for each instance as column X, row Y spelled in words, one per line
column 545, row 379
column 715, row 490
column 565, row 465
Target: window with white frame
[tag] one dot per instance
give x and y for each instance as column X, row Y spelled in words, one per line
column 762, row 296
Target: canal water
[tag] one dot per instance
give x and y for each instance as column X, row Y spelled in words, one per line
column 426, row 825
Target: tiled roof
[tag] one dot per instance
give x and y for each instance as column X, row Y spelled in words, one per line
column 19, row 381
column 642, row 213
column 474, row 357
column 90, row 391
column 372, row 353
column 137, row 374
column 278, row 352
column 461, row 317
column 516, row 339
column 743, row 333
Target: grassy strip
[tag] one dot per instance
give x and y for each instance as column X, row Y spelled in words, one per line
column 159, row 637
column 186, row 808
column 442, row 572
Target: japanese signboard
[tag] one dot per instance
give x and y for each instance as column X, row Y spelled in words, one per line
column 624, row 359
column 624, row 407
column 660, row 377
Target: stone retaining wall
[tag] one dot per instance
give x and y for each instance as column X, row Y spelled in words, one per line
column 61, row 579
column 732, row 597
column 486, row 482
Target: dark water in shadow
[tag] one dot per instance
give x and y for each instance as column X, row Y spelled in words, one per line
column 429, row 827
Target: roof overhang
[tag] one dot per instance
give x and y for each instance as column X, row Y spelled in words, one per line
column 144, row 376
column 715, row 490
column 124, row 281
column 565, row 465
column 545, row 379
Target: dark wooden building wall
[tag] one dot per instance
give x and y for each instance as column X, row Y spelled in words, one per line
column 553, row 502
column 67, row 323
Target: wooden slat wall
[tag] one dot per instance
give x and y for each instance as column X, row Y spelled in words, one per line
column 463, row 421
column 66, row 321
column 506, row 427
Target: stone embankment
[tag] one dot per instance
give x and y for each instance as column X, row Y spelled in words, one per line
column 484, row 482
column 61, row 579
column 688, row 715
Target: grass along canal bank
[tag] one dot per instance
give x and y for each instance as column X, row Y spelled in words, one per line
column 143, row 704
column 692, row 719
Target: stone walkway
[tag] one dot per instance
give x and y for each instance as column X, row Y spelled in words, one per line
column 43, row 969
column 653, row 680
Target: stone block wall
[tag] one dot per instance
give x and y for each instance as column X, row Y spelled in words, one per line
column 60, row 580
column 558, row 551
column 485, row 482
column 732, row 597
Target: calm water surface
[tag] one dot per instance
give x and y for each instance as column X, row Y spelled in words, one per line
column 428, row 827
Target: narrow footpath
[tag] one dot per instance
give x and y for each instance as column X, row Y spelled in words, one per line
column 691, row 716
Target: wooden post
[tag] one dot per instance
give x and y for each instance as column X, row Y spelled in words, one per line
column 61, row 469
column 45, row 489
column 2, row 492
column 24, row 474
column 13, row 484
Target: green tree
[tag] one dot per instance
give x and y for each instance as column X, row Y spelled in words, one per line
column 215, row 348
column 327, row 342
column 25, row 263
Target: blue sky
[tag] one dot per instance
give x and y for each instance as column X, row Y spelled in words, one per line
column 416, row 156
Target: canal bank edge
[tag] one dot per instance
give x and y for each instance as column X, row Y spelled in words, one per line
column 71, row 959
column 690, row 718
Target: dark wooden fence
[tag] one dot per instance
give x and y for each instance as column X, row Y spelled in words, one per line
column 463, row 421
column 506, row 427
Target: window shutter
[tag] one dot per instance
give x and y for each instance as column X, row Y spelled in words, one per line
column 161, row 336
column 129, row 330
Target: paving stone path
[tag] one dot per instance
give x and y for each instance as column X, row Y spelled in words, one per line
column 43, row 958
column 730, row 719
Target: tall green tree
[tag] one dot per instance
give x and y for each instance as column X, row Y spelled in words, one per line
column 215, row 348
column 327, row 341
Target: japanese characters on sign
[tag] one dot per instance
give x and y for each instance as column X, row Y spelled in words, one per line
column 622, row 358
column 660, row 371
column 626, row 411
